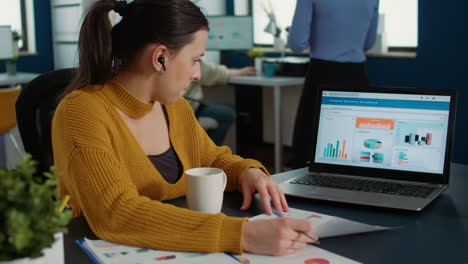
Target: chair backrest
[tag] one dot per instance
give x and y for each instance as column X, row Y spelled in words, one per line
column 35, row 108
column 8, row 97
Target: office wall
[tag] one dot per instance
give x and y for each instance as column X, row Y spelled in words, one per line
column 43, row 60
column 441, row 61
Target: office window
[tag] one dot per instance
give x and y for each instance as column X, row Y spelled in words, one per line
column 283, row 12
column 400, row 25
column 19, row 14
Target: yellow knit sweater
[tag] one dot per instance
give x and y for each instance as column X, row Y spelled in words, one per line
column 115, row 186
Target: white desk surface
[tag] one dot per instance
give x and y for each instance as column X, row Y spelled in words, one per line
column 19, row 78
column 264, row 81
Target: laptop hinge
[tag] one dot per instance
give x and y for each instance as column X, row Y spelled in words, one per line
column 379, row 179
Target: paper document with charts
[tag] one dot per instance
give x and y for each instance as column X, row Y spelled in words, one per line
column 104, row 252
column 326, row 225
column 308, row 255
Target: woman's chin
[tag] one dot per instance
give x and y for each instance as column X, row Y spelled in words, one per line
column 167, row 100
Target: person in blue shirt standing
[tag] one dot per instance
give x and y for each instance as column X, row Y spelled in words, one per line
column 337, row 32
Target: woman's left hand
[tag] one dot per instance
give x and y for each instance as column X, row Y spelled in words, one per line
column 255, row 180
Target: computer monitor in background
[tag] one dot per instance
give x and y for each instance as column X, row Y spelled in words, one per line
column 6, row 43
column 230, row 33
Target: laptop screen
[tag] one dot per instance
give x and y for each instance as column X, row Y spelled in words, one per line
column 392, row 131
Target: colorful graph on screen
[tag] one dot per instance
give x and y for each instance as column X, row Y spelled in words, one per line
column 402, row 157
column 337, row 151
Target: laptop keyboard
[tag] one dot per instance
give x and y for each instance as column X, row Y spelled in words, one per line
column 365, row 185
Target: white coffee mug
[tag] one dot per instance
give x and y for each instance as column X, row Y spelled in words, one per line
column 205, row 189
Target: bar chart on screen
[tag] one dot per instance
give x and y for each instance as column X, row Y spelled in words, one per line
column 336, row 150
column 334, row 143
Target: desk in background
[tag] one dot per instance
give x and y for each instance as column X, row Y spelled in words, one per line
column 438, row 234
column 276, row 83
column 19, row 78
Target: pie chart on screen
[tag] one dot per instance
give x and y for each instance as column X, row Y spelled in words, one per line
column 316, row 261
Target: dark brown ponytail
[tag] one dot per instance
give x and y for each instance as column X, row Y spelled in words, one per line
column 105, row 50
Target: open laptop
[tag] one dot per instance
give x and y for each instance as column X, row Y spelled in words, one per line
column 386, row 147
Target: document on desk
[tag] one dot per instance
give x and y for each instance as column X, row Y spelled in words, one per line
column 326, row 225
column 104, row 252
column 308, row 255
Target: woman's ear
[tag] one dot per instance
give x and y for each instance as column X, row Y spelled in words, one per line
column 159, row 57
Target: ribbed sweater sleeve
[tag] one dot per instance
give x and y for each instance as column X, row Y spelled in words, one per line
column 218, row 156
column 233, row 165
column 116, row 212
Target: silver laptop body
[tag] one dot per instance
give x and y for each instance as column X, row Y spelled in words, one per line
column 385, row 147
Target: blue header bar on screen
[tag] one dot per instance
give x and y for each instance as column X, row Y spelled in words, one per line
column 389, row 103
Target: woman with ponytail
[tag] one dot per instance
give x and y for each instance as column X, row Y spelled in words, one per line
column 122, row 136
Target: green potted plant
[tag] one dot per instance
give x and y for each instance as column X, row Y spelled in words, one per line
column 30, row 217
column 11, row 63
column 16, row 37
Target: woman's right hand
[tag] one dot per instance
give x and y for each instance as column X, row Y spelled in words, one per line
column 276, row 237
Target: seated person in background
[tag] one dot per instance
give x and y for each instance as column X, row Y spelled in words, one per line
column 225, row 115
column 122, row 136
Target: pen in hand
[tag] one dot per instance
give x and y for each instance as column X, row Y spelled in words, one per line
column 314, row 240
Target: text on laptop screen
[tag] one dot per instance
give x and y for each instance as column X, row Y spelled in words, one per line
column 383, row 130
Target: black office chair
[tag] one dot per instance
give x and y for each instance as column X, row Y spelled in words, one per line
column 35, row 108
